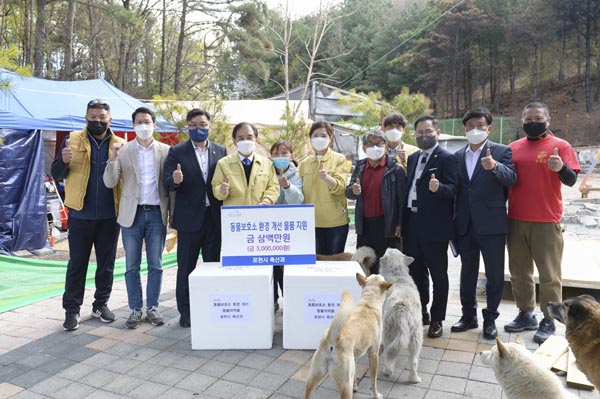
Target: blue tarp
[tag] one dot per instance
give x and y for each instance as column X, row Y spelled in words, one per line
column 23, row 222
column 40, row 104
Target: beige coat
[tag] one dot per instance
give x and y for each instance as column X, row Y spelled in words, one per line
column 127, row 167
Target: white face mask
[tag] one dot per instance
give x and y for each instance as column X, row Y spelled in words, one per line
column 476, row 136
column 246, row 147
column 320, row 143
column 144, row 132
column 393, row 135
column 375, row 153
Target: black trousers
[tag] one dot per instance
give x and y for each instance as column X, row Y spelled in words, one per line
column 83, row 234
column 491, row 247
column 373, row 236
column 189, row 244
column 431, row 258
column 277, row 281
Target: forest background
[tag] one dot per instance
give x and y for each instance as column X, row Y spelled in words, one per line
column 458, row 54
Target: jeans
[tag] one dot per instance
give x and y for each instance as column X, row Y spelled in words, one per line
column 147, row 226
column 83, row 234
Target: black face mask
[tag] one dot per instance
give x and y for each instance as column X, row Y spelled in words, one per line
column 97, row 128
column 426, row 142
column 534, row 129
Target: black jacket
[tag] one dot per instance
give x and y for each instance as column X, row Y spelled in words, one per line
column 393, row 195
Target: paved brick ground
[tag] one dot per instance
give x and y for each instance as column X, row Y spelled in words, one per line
column 39, row 360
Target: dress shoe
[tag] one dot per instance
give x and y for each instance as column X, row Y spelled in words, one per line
column 464, row 324
column 426, row 319
column 435, row 329
column 184, row 321
column 489, row 329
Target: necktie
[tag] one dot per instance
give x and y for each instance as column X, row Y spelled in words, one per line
column 413, row 192
column 246, row 162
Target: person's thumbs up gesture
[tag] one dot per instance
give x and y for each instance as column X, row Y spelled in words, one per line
column 487, row 162
column 356, row 189
column 67, row 154
column 178, row 175
column 402, row 153
column 322, row 172
column 224, row 189
column 116, row 147
column 434, row 184
column 283, row 181
column 555, row 162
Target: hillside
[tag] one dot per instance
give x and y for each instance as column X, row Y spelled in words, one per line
column 567, row 110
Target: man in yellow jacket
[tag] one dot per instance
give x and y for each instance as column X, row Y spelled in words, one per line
column 92, row 211
column 245, row 178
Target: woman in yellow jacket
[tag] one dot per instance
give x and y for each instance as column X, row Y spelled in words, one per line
column 324, row 178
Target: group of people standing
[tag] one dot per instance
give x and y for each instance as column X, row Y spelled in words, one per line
column 413, row 198
column 430, row 197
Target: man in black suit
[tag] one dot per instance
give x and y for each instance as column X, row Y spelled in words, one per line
column 433, row 177
column 485, row 171
column 189, row 171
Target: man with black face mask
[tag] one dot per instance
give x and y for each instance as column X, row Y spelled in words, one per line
column 543, row 163
column 189, row 171
column 92, row 211
column 427, row 219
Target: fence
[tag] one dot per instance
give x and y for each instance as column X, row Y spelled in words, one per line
column 504, row 129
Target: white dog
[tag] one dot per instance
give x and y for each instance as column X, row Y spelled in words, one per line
column 402, row 319
column 354, row 331
column 519, row 375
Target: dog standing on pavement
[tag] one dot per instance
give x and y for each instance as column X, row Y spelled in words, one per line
column 581, row 315
column 365, row 256
column 520, row 375
column 354, row 331
column 402, row 319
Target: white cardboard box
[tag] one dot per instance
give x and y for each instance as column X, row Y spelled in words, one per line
column 311, row 296
column 231, row 307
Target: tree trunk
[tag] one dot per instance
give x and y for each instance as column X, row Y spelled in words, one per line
column 40, row 38
column 163, row 49
column 513, row 94
column 535, row 72
column 561, row 58
column 92, row 69
column 179, row 56
column 123, row 44
column 588, row 55
column 597, row 94
column 68, row 44
column 28, row 34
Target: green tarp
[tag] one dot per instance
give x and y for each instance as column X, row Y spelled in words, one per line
column 24, row 281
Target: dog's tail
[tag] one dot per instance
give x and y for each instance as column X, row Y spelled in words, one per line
column 346, row 306
column 366, row 257
column 398, row 326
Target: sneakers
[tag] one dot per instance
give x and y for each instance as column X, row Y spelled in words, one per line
column 103, row 313
column 134, row 320
column 523, row 321
column 545, row 330
column 155, row 317
column 71, row 321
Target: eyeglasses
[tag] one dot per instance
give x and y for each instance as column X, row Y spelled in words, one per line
column 378, row 144
column 427, row 132
column 97, row 103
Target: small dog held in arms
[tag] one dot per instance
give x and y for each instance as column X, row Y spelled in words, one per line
column 354, row 331
column 365, row 256
column 402, row 319
column 581, row 315
column 520, row 375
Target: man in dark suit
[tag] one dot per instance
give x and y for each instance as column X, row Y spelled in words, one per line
column 189, row 171
column 427, row 225
column 485, row 171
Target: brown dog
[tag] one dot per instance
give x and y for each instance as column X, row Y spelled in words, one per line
column 354, row 331
column 365, row 256
column 581, row 315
